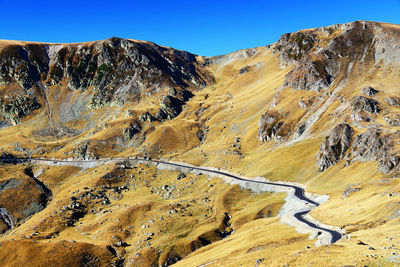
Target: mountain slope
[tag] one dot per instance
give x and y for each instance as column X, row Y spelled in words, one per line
column 319, row 107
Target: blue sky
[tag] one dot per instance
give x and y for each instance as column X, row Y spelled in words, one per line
column 203, row 27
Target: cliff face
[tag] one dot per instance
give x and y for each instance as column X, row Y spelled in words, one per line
column 114, row 72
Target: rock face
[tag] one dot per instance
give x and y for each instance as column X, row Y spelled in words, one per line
column 14, row 107
column 373, row 145
column 369, row 91
column 115, row 71
column 146, row 117
column 134, row 128
column 317, row 66
column 392, row 119
column 272, row 127
column 292, row 46
column 24, row 65
column 308, row 75
column 334, row 147
column 362, row 103
column 170, row 108
column 393, row 101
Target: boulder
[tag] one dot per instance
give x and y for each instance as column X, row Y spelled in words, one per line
column 308, row 75
column 133, row 128
column 170, row 108
column 369, row 91
column 371, row 145
column 393, row 101
column 334, row 146
column 293, row 46
column 392, row 119
column 244, row 70
column 272, row 127
column 362, row 103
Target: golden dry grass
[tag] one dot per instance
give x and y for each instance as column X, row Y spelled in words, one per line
column 228, row 109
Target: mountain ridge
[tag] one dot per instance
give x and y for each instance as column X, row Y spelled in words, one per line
column 319, row 107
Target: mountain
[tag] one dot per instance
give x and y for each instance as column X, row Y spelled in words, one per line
column 318, row 109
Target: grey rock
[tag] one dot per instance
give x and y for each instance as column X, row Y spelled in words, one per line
column 146, row 117
column 293, row 46
column 308, row 75
column 373, row 145
column 362, row 103
column 259, row 261
column 349, row 190
column 272, row 127
column 133, row 128
column 393, row 101
column 14, row 107
column 334, row 146
column 200, row 135
column 181, row 176
column 392, row 119
column 316, row 67
column 369, row 91
column 388, row 163
column 116, row 70
column 170, row 108
column 244, row 70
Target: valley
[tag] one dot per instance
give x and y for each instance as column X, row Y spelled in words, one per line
column 122, row 152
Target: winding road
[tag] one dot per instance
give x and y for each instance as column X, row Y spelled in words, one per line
column 298, row 191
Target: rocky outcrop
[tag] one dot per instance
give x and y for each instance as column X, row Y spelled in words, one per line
column 272, row 127
column 83, row 151
column 334, row 146
column 369, row 91
column 318, row 65
column 116, row 70
column 14, row 107
column 310, row 75
column 23, row 65
column 146, row 117
column 307, row 74
column 362, row 103
column 392, row 119
column 134, row 128
column 170, row 108
column 293, row 46
column 393, row 101
column 373, row 145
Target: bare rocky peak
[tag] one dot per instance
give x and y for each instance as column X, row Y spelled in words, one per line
column 319, row 55
column 116, row 70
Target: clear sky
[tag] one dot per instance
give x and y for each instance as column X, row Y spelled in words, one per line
column 203, row 27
